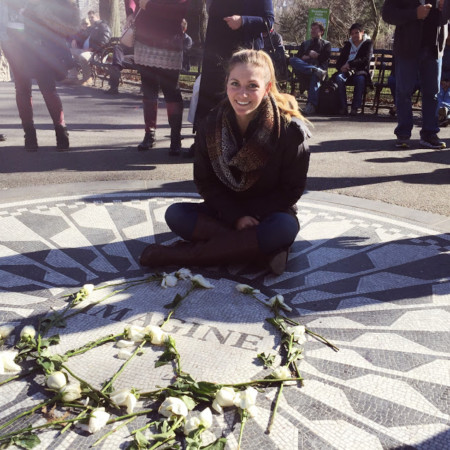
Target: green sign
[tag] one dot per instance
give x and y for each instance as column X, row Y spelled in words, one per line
column 318, row 15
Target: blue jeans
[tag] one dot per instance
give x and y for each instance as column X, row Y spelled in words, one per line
column 428, row 65
column 274, row 232
column 359, row 81
column 302, row 67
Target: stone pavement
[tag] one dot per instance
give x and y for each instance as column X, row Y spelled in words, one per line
column 372, row 278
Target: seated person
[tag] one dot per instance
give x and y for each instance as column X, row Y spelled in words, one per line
column 99, row 37
column 187, row 45
column 273, row 42
column 123, row 58
column 76, row 41
column 312, row 62
column 444, row 100
column 353, row 67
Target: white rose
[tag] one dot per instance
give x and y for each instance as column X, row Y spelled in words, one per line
column 71, row 391
column 200, row 281
column 56, row 380
column 246, row 289
column 7, row 363
column 217, row 407
column 98, row 420
column 246, row 399
column 173, row 406
column 135, row 333
column 206, row 418
column 124, row 397
column 225, row 396
column 183, row 274
column 88, row 289
column 278, row 300
column 169, row 281
column 157, row 335
column 191, row 424
column 298, row 332
column 281, row 373
column 124, row 344
column 252, row 411
column 5, row 331
column 124, row 354
column 28, row 332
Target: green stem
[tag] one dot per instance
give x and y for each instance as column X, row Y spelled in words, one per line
column 263, row 381
column 122, row 368
column 113, row 431
column 241, row 431
column 168, row 435
column 166, row 320
column 30, row 411
column 143, row 428
column 91, row 345
column 324, row 340
column 152, row 394
column 70, row 424
column 21, row 375
column 272, row 419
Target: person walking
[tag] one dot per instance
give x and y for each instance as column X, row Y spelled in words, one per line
column 158, row 53
column 36, row 48
column 250, row 167
column 419, row 42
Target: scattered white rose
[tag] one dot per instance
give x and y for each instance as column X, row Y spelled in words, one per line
column 192, row 423
column 124, row 354
column 169, row 280
column 183, row 274
column 7, row 363
column 298, row 332
column 281, row 373
column 56, row 380
column 246, row 289
column 135, row 333
column 5, row 331
column 88, row 289
column 206, row 418
column 71, row 391
column 278, row 300
column 124, row 343
column 225, row 396
column 28, row 331
column 200, row 281
column 98, row 420
column 157, row 335
column 124, row 397
column 173, row 406
column 246, row 399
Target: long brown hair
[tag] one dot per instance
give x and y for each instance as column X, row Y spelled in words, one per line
column 259, row 58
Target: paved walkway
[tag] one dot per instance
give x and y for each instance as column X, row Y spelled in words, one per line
column 372, row 278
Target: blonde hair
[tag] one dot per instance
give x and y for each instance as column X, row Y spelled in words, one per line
column 259, row 58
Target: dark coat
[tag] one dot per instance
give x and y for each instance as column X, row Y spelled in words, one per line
column 221, row 42
column 362, row 58
column 322, row 47
column 159, row 25
column 408, row 28
column 279, row 187
column 99, row 35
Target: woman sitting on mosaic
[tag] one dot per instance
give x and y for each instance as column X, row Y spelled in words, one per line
column 250, row 169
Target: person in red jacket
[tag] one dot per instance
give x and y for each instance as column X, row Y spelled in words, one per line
column 158, row 52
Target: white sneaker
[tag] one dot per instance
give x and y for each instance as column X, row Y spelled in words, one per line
column 321, row 74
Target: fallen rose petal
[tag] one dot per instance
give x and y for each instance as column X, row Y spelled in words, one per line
column 7, row 363
column 124, row 344
column 99, row 418
column 200, row 281
column 173, row 406
column 124, row 354
column 5, row 331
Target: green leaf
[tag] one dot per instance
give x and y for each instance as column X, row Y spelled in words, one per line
column 175, row 302
column 189, row 401
column 26, row 441
column 267, row 360
column 141, row 441
column 218, row 444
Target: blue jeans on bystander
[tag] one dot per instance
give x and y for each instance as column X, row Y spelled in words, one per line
column 359, row 81
column 302, row 67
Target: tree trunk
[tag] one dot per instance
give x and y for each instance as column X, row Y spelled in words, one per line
column 197, row 19
column 110, row 13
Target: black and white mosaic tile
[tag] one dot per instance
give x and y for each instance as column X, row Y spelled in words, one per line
column 378, row 288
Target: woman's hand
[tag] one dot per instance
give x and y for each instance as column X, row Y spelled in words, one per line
column 234, row 22
column 246, row 222
column 143, row 3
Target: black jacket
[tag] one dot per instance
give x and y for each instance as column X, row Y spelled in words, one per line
column 322, row 47
column 408, row 28
column 99, row 35
column 279, row 187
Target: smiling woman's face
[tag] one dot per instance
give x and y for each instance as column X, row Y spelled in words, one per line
column 246, row 88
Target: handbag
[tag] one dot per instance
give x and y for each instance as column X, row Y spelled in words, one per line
column 278, row 58
column 129, row 34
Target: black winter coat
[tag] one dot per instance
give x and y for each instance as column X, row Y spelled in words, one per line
column 279, row 187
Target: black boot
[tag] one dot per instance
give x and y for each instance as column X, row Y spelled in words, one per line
column 175, row 144
column 62, row 138
column 31, row 143
column 175, row 116
column 114, row 80
column 148, row 142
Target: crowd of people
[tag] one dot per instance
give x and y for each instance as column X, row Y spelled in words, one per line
column 250, row 152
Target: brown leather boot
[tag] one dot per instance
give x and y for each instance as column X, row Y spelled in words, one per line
column 206, row 227
column 230, row 247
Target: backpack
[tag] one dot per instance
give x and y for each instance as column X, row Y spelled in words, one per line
column 328, row 98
